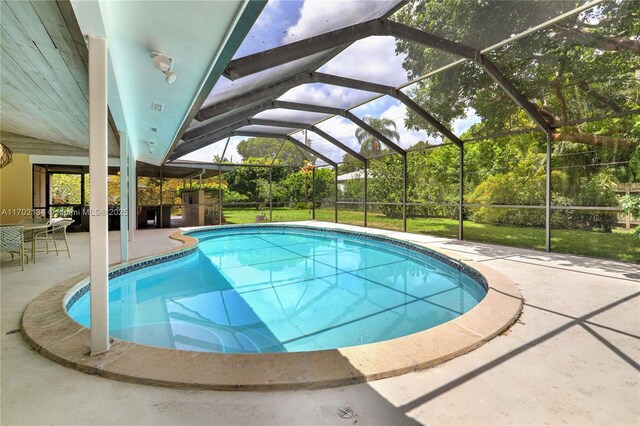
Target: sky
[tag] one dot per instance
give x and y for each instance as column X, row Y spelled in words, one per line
column 373, row 59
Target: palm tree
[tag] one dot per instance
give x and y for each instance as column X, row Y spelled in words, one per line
column 370, row 146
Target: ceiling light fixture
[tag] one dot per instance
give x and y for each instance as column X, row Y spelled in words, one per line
column 165, row 65
column 151, row 146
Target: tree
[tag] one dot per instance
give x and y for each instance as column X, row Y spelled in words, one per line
column 267, row 148
column 631, row 205
column 306, row 170
column 65, row 188
column 370, row 146
column 580, row 67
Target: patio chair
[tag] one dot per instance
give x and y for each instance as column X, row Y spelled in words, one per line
column 12, row 241
column 28, row 235
column 58, row 232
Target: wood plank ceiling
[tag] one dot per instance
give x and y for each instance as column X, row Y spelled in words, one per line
column 44, row 80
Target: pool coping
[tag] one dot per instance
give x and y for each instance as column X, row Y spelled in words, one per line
column 53, row 333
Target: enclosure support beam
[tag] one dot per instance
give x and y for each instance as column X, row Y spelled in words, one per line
column 275, row 157
column 211, row 132
column 160, row 212
column 224, row 152
column 257, row 95
column 313, row 193
column 366, row 192
column 390, row 91
column 260, row 61
column 133, row 194
column 124, row 197
column 461, row 196
column 375, row 133
column 251, row 64
column 335, row 201
column 547, row 201
column 271, row 194
column 310, row 127
column 339, row 144
column 219, row 194
column 212, row 129
column 404, row 192
column 98, row 193
column 428, row 117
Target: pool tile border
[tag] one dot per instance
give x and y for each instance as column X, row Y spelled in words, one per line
column 50, row 331
column 447, row 260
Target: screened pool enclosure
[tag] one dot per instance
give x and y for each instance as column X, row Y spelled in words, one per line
column 512, row 122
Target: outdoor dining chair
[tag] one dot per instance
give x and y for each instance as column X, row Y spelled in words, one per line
column 28, row 234
column 58, row 232
column 12, row 241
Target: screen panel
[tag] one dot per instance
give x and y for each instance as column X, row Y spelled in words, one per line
column 351, row 194
column 320, row 145
column 433, row 187
column 285, row 21
column 480, row 24
column 579, row 68
column 373, row 59
column 345, row 131
column 210, row 153
column 468, row 102
column 326, row 95
column 389, row 115
column 226, row 89
column 324, row 195
column 385, row 189
column 290, row 115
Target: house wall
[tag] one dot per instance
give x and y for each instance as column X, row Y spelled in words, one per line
column 15, row 190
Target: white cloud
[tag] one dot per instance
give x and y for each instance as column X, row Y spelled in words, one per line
column 207, row 153
column 461, row 125
column 320, row 16
column 326, row 95
column 343, row 130
column 372, row 59
column 408, row 138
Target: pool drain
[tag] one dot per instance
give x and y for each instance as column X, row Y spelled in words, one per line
column 346, row 412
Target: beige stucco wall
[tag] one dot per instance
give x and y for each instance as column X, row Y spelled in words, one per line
column 15, row 190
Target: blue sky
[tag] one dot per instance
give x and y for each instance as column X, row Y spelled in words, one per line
column 372, row 59
column 272, row 27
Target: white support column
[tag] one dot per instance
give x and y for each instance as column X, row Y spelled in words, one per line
column 133, row 196
column 98, row 192
column 124, row 197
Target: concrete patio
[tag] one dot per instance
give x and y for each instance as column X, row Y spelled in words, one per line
column 572, row 358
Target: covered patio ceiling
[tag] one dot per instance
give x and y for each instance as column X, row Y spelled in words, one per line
column 178, row 170
column 339, row 63
column 44, row 74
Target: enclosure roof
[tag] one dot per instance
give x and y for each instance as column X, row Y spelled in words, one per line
column 179, row 170
column 350, row 63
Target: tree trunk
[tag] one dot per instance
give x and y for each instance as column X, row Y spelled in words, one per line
column 557, row 87
column 610, row 142
column 598, row 41
column 584, row 86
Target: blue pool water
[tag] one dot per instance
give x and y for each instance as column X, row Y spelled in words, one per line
column 284, row 290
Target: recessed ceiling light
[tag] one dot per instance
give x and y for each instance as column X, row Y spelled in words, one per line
column 157, row 107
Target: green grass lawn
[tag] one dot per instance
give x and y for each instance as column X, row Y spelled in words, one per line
column 618, row 244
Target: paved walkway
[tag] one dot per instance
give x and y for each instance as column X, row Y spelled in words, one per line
column 573, row 358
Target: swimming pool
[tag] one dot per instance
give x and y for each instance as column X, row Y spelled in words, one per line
column 286, row 289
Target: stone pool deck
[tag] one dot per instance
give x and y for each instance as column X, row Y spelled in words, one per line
column 572, row 358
